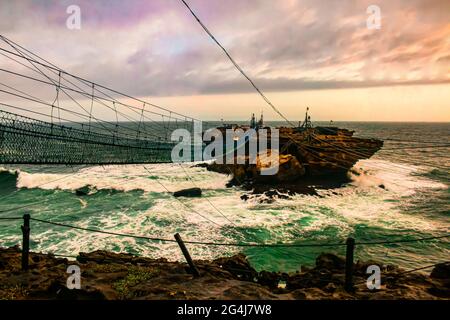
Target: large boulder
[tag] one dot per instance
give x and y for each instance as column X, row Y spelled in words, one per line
column 191, row 192
column 85, row 190
column 238, row 266
column 289, row 170
column 441, row 271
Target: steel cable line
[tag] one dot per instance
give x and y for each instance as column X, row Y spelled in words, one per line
column 401, row 240
column 401, row 274
column 22, row 92
column 212, row 205
column 316, row 155
column 102, row 231
column 24, row 206
column 283, row 250
column 89, row 95
column 310, row 149
column 355, row 154
column 70, row 129
column 28, row 205
column 52, row 80
column 233, row 243
column 127, row 136
column 408, row 141
column 98, row 99
column 170, row 117
column 63, row 128
column 48, row 182
column 189, row 241
column 207, row 243
column 419, row 147
column 220, row 211
column 40, row 185
column 423, row 268
column 39, row 71
column 135, row 109
column 31, row 133
column 184, row 204
column 51, row 65
column 235, row 63
column 215, row 208
column 358, row 154
column 192, row 210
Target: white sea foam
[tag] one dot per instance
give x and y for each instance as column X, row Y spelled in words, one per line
column 158, row 178
column 401, row 179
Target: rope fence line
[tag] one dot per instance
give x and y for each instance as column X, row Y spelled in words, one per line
column 231, row 244
column 101, row 231
column 402, row 240
column 349, row 244
column 423, row 268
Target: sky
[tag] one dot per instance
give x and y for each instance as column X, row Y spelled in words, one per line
column 301, row 53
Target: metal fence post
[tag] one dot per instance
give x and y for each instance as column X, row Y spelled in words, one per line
column 186, row 254
column 25, row 241
column 349, row 264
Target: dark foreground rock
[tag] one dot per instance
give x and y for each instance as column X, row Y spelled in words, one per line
column 83, row 191
column 106, row 275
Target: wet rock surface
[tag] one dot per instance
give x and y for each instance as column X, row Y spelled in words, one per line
column 106, row 275
column 289, row 180
column 191, row 192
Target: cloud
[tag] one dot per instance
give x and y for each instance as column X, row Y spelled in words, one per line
column 156, row 48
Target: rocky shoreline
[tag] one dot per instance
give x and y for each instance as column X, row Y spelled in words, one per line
column 106, row 275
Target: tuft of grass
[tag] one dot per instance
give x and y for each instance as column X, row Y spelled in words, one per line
column 108, row 268
column 135, row 276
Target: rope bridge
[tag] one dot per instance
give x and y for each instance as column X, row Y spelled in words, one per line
column 50, row 116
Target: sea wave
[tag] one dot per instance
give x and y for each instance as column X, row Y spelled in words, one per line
column 8, row 180
column 148, row 178
column 400, row 178
column 219, row 215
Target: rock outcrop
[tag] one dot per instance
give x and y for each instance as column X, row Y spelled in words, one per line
column 106, row 275
column 288, row 170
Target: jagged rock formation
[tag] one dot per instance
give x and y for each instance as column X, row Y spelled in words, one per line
column 326, row 150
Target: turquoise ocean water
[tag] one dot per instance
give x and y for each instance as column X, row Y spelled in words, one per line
column 129, row 199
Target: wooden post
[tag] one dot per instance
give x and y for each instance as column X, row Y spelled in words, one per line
column 349, row 264
column 25, row 241
column 186, row 254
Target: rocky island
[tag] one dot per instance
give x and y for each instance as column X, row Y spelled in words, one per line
column 307, row 156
